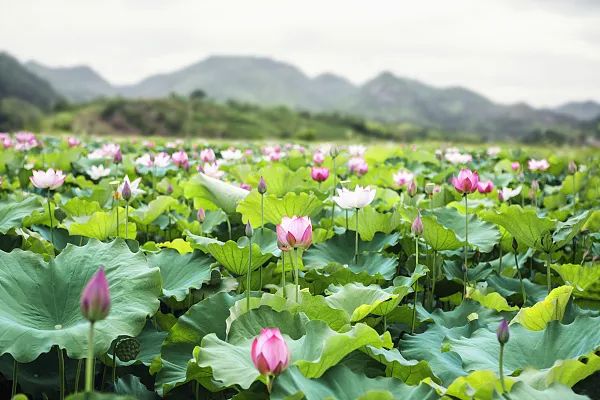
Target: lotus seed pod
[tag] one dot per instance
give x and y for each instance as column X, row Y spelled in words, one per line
column 59, row 214
column 127, row 349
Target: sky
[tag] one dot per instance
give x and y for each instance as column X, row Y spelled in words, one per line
column 544, row 52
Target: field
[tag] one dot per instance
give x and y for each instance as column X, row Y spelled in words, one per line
column 151, row 267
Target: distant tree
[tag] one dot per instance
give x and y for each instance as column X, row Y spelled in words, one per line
column 198, row 94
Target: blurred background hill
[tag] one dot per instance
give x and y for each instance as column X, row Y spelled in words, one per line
column 259, row 97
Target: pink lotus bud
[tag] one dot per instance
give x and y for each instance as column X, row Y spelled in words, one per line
column 572, row 167
column 95, row 298
column 245, row 186
column 412, row 188
column 466, row 181
column 262, row 186
column 249, row 231
column 208, row 155
column 126, row 191
column 502, row 333
column 201, row 215
column 319, row 174
column 515, row 165
column 180, row 158
column 485, row 187
column 270, row 353
column 417, row 226
column 318, row 158
column 295, row 232
column 50, row 179
column 118, row 157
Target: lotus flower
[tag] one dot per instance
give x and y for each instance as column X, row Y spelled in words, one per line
column 133, row 187
column 318, row 158
column 211, row 170
column 319, row 174
column 295, row 232
column 208, row 155
column 50, row 179
column 454, row 157
column 98, row 171
column 95, row 298
column 507, row 193
column 358, row 198
column 73, row 141
column 485, row 187
column 357, row 150
column 358, row 166
column 180, row 158
column 270, row 353
column 403, row 177
column 145, row 160
column 162, row 160
column 493, row 151
column 417, row 226
column 466, row 181
column 231, row 154
column 275, row 156
column 515, row 165
column 538, row 165
column 245, row 186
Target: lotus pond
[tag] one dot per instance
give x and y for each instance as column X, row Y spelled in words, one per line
column 137, row 269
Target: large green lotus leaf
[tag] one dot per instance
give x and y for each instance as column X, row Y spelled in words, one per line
column 132, row 386
column 213, row 194
column 340, row 382
column 370, row 222
column 566, row 231
column 552, row 308
column 102, row 225
column 180, row 273
column 523, row 224
column 266, row 239
column 292, row 204
column 316, row 352
column 78, row 207
column 41, row 300
column 318, row 280
column 180, row 245
column 281, row 180
column 235, row 258
column 359, row 301
column 12, row 212
column 573, row 184
column 491, row 300
column 437, row 236
column 477, row 385
column 554, row 392
column 507, row 287
column 527, row 348
column 410, row 372
column 146, row 214
column 581, row 277
column 207, row 316
column 482, row 235
column 408, row 281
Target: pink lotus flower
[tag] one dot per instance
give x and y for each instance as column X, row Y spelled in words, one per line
column 180, row 158
column 515, row 165
column 211, row 170
column 270, row 353
column 50, row 179
column 538, row 165
column 319, row 174
column 358, row 198
column 417, row 226
column 295, row 232
column 162, row 160
column 485, row 187
column 275, row 156
column 403, row 177
column 208, row 155
column 318, row 158
column 245, row 186
column 358, row 166
column 466, row 181
column 73, row 141
column 95, row 298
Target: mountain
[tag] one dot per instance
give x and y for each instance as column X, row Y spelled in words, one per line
column 78, row 83
column 582, row 110
column 16, row 82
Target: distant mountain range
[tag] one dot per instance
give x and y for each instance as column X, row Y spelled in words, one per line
column 386, row 98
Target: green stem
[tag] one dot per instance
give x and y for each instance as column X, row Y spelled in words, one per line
column 51, row 220
column 346, row 219
column 15, row 378
column 548, row 273
column 78, row 375
column 297, row 273
column 262, row 211
column 228, row 227
column 89, row 362
column 356, row 239
column 283, row 274
column 466, row 275
column 61, row 373
column 500, row 262
column 333, row 194
column 521, row 280
column 117, row 219
column 433, row 277
column 126, row 218
column 501, row 367
column 415, row 287
column 249, row 277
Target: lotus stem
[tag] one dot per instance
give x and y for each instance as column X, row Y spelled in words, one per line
column 248, row 283
column 118, row 219
column 283, row 274
column 501, row 367
column 51, row 220
column 296, row 274
column 466, row 275
column 520, row 280
column 433, row 277
column 228, row 227
column 346, row 219
column 355, row 238
column 262, row 210
column 61, row 372
column 15, row 378
column 333, row 194
column 500, row 261
column 548, row 273
column 89, row 362
column 127, row 219
column 415, row 287
column 77, row 375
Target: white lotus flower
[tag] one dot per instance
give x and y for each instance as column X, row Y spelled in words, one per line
column 162, row 160
column 133, row 185
column 358, row 198
column 507, row 193
column 357, row 150
column 231, row 155
column 98, row 171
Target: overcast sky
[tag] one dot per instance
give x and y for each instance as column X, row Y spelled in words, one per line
column 544, row 52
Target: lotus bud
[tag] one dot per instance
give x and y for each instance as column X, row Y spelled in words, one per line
column 417, row 226
column 515, row 244
column 249, row 230
column 95, row 298
column 502, row 332
column 126, row 192
column 118, row 157
column 334, row 152
column 201, row 215
column 429, row 188
column 535, row 185
column 412, row 188
column 170, row 189
column 270, row 353
column 262, row 186
column 572, row 167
